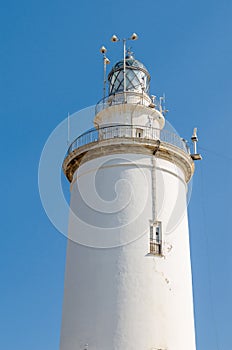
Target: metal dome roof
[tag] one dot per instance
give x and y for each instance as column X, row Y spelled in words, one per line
column 130, row 62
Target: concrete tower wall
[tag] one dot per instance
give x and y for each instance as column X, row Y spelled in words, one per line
column 117, row 295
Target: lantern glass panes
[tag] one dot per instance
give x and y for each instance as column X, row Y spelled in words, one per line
column 137, row 77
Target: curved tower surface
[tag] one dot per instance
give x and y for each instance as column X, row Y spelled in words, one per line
column 128, row 283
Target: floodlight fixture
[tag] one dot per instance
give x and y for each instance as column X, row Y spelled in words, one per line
column 134, row 36
column 103, row 49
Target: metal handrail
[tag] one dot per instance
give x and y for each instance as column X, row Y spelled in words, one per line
column 130, row 97
column 128, row 131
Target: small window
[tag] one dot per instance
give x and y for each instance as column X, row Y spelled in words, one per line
column 139, row 132
column 156, row 238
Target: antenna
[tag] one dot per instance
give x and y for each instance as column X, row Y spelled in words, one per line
column 68, row 121
column 195, row 155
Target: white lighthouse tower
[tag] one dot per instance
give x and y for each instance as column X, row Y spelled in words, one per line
column 128, row 283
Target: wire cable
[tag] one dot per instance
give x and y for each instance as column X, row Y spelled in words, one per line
column 215, row 153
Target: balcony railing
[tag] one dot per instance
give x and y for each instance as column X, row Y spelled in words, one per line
column 129, row 97
column 128, row 131
column 156, row 248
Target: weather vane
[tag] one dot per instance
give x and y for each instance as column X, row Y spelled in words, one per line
column 129, row 51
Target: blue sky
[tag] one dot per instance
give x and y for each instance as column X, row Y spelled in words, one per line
column 51, row 65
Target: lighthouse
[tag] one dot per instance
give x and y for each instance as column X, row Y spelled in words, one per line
column 128, row 281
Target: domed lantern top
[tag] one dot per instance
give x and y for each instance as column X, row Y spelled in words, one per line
column 137, row 77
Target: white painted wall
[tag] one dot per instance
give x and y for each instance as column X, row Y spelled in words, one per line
column 132, row 114
column 120, row 297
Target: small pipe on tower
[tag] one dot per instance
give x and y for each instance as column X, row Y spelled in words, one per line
column 195, row 155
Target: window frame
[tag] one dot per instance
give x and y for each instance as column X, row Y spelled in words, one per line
column 155, row 239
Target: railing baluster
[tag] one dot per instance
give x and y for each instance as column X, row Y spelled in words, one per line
column 120, row 131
